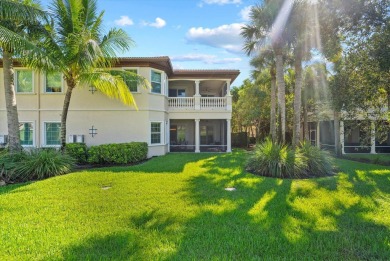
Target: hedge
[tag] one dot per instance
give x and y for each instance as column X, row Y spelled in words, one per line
column 119, row 153
column 78, row 151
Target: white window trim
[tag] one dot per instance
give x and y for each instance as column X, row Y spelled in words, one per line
column 162, row 131
column 133, row 68
column 44, row 135
column 16, row 81
column 44, row 85
column 162, row 92
column 33, row 136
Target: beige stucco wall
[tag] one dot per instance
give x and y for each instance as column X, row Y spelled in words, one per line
column 115, row 122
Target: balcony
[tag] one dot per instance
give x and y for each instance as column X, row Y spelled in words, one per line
column 200, row 103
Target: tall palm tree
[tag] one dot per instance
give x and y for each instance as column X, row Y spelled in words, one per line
column 76, row 47
column 19, row 20
column 266, row 60
column 260, row 32
column 298, row 32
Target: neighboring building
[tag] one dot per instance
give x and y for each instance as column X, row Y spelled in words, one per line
column 354, row 138
column 185, row 110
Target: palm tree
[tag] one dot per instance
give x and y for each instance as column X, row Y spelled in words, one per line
column 266, row 60
column 298, row 34
column 18, row 22
column 76, row 47
column 256, row 34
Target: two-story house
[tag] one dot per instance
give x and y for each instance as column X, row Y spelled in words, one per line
column 184, row 110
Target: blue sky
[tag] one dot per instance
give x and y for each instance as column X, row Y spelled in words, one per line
column 195, row 34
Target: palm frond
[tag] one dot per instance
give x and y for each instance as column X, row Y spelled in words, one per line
column 111, row 84
column 115, row 41
column 17, row 43
column 16, row 11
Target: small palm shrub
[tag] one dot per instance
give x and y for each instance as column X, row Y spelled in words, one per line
column 8, row 163
column 273, row 159
column 35, row 164
column 320, row 162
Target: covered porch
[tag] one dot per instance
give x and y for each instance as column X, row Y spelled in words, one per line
column 187, row 94
column 355, row 137
column 200, row 135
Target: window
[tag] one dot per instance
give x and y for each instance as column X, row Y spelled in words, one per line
column 53, row 82
column 26, row 133
column 52, row 133
column 131, row 83
column 177, row 93
column 156, row 82
column 155, row 130
column 24, row 81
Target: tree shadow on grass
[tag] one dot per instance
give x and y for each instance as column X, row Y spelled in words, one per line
column 131, row 243
column 272, row 219
column 15, row 188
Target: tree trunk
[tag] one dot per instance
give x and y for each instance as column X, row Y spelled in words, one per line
column 10, row 103
column 281, row 93
column 388, row 101
column 273, row 104
column 305, row 122
column 71, row 84
column 297, row 100
column 336, row 123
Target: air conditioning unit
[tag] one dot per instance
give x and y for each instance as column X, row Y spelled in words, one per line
column 76, row 139
column 3, row 139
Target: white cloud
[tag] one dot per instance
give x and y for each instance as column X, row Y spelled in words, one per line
column 226, row 37
column 124, row 21
column 158, row 23
column 245, row 12
column 221, row 2
column 206, row 58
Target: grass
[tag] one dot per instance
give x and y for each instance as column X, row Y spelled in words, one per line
column 175, row 208
column 383, row 159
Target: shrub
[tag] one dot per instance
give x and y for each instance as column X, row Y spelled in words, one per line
column 277, row 160
column 281, row 161
column 35, row 164
column 8, row 163
column 122, row 153
column 78, row 151
column 320, row 162
column 44, row 163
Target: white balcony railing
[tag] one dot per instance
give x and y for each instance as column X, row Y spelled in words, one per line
column 212, row 102
column 181, row 102
column 198, row 103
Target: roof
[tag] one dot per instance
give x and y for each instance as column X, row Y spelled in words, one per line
column 206, row 74
column 159, row 62
column 163, row 63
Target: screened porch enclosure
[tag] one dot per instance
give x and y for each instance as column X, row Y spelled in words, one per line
column 211, row 136
column 182, row 136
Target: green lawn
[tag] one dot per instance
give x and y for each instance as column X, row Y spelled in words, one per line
column 383, row 159
column 175, row 208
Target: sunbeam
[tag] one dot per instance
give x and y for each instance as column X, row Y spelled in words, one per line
column 281, row 20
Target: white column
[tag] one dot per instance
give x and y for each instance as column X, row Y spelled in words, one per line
column 228, row 136
column 197, row 144
column 227, row 87
column 342, row 137
column 197, row 95
column 197, row 87
column 169, row 135
column 318, row 143
column 373, row 138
